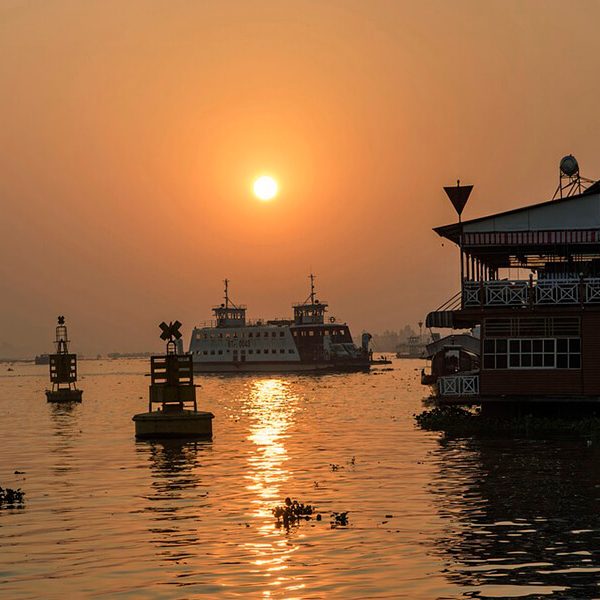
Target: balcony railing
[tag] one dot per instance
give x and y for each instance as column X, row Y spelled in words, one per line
column 512, row 292
column 458, row 385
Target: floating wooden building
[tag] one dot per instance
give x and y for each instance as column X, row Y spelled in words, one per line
column 530, row 279
column 63, row 369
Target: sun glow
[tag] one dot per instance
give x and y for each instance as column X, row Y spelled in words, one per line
column 265, row 188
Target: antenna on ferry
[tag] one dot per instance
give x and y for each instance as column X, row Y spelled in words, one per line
column 312, row 288
column 226, row 293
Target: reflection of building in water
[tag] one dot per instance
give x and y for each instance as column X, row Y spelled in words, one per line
column 520, row 513
column 176, row 500
column 271, row 408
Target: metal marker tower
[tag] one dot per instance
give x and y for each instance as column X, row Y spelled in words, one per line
column 63, row 369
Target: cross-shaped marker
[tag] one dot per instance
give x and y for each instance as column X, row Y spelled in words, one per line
column 170, row 331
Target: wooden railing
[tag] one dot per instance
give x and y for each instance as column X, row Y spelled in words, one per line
column 458, row 385
column 514, row 292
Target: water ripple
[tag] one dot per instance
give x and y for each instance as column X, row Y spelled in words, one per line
column 429, row 517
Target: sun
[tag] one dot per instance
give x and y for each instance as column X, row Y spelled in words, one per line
column 265, row 188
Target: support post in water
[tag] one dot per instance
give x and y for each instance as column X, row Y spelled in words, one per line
column 172, row 408
column 63, row 369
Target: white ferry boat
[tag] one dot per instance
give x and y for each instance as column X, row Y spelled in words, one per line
column 309, row 342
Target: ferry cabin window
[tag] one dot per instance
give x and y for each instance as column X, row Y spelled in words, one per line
column 532, row 353
column 274, row 334
column 273, row 351
column 281, row 333
column 258, row 351
column 290, row 351
column 205, row 352
column 282, row 351
column 220, row 351
column 212, row 351
column 250, row 334
column 250, row 351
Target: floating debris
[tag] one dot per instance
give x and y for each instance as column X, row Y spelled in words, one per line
column 291, row 512
column 10, row 497
column 335, row 467
column 339, row 519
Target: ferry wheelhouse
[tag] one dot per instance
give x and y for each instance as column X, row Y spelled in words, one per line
column 308, row 342
column 530, row 281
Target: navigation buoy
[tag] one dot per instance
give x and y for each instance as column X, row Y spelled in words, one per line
column 63, row 369
column 172, row 389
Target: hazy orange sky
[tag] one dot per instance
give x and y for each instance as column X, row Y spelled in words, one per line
column 131, row 132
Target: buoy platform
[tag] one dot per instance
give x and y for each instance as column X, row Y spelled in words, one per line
column 173, row 424
column 64, row 395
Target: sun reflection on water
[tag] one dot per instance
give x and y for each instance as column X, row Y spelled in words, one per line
column 271, row 406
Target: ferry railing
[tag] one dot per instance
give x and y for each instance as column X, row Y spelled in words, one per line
column 277, row 321
column 517, row 292
column 458, row 385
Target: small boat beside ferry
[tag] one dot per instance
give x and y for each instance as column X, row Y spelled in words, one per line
column 309, row 342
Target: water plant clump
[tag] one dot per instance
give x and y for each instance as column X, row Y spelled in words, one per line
column 10, row 497
column 339, row 519
column 292, row 512
column 459, row 421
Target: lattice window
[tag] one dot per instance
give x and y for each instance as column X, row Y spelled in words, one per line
column 532, row 353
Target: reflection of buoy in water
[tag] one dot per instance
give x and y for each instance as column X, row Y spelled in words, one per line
column 172, row 387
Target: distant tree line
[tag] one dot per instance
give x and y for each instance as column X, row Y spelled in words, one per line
column 129, row 354
column 388, row 341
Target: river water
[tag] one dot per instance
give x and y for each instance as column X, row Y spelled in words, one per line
column 429, row 517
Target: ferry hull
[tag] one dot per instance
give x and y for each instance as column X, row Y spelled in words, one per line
column 280, row 367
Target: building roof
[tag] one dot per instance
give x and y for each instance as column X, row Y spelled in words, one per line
column 581, row 211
